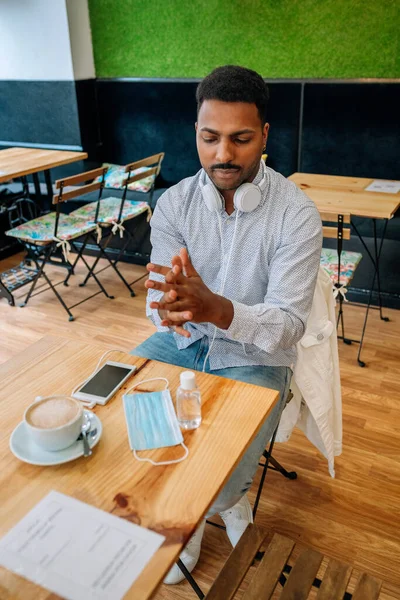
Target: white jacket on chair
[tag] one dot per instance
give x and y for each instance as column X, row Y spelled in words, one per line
column 316, row 406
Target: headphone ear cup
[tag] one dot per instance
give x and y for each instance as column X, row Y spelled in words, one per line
column 247, row 197
column 211, row 197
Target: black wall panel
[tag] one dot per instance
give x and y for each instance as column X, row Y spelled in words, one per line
column 39, row 112
column 352, row 129
column 138, row 118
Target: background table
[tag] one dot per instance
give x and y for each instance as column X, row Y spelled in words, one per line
column 337, row 194
column 333, row 193
column 170, row 500
column 17, row 162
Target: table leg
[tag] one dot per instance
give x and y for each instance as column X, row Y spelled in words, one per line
column 375, row 261
column 44, row 200
column 36, row 183
column 49, row 185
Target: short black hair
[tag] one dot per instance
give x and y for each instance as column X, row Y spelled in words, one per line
column 232, row 83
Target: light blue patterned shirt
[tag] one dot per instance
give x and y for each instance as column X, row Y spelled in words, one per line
column 271, row 275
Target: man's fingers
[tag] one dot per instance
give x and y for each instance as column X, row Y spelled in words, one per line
column 174, row 275
column 152, row 268
column 178, row 317
column 181, row 331
column 157, row 285
column 169, row 297
column 187, row 264
column 176, row 260
column 171, row 305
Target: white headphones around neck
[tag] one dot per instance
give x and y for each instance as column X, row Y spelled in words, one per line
column 246, row 199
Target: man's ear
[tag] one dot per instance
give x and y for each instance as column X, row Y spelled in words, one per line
column 195, row 127
column 265, row 133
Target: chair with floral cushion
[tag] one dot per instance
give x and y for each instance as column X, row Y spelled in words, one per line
column 340, row 265
column 110, row 214
column 49, row 238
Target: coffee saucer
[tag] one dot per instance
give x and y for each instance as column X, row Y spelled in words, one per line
column 26, row 450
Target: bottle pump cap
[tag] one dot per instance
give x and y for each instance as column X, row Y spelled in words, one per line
column 188, row 380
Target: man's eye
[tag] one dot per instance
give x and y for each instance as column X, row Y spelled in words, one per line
column 242, row 141
column 209, row 140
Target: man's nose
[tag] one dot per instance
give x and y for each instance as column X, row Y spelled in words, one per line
column 225, row 152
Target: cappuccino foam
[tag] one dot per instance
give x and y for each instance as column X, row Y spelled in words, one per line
column 53, row 413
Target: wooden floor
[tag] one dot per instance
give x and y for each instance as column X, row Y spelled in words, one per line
column 354, row 517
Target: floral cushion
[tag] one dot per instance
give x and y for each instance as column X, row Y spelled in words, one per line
column 116, row 175
column 42, row 228
column 348, row 264
column 109, row 210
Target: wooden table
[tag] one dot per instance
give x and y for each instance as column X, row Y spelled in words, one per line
column 170, row 500
column 16, row 162
column 332, row 193
column 337, row 194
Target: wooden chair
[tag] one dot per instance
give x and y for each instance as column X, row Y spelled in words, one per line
column 274, row 576
column 110, row 214
column 49, row 238
column 340, row 265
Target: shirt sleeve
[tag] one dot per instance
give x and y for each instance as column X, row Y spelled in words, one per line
column 280, row 321
column 166, row 242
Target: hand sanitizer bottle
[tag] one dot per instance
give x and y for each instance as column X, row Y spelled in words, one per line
column 188, row 402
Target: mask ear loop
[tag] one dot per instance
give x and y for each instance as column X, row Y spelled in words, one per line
column 147, row 380
column 165, row 462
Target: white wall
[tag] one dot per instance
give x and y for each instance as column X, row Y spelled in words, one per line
column 40, row 40
column 80, row 39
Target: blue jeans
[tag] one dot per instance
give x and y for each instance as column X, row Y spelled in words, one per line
column 162, row 347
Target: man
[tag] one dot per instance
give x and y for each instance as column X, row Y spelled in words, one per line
column 233, row 268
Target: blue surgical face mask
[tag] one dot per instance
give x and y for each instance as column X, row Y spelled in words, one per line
column 152, row 422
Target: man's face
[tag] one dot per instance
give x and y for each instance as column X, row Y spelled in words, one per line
column 230, row 139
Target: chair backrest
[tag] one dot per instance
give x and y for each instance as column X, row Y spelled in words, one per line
column 22, row 210
column 339, row 229
column 154, row 162
column 63, row 196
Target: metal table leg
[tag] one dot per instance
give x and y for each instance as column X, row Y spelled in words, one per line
column 376, row 263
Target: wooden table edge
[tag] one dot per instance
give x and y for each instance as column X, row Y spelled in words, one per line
column 80, row 156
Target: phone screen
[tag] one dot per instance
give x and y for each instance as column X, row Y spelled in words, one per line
column 103, row 383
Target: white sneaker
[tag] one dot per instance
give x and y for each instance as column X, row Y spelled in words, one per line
column 189, row 557
column 236, row 519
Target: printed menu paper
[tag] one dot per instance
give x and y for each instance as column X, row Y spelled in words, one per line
column 384, row 185
column 76, row 550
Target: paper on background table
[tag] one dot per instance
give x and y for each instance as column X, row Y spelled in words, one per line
column 76, row 550
column 383, row 185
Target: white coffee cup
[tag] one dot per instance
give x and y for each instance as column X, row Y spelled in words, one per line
column 54, row 422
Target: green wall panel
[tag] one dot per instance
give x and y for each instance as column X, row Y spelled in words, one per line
column 278, row 38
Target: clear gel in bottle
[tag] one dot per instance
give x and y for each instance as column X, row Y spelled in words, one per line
column 188, row 402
